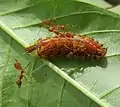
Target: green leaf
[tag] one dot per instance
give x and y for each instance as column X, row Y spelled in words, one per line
column 99, row 3
column 116, row 9
column 79, row 83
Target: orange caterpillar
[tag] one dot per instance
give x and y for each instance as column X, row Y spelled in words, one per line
column 67, row 44
column 79, row 46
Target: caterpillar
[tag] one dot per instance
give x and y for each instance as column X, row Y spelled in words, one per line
column 67, row 44
column 78, row 46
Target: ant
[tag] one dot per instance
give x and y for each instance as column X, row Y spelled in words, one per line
column 55, row 28
column 60, row 34
column 48, row 22
column 18, row 67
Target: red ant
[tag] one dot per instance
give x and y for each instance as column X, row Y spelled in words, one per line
column 18, row 66
column 55, row 28
column 60, row 34
column 48, row 22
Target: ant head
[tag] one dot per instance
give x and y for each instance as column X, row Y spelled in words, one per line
column 17, row 65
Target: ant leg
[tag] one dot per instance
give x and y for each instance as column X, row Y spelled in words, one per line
column 19, row 82
column 24, row 53
column 37, row 68
column 26, row 65
column 27, row 79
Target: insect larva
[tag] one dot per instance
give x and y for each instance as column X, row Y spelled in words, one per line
column 67, row 44
column 64, row 46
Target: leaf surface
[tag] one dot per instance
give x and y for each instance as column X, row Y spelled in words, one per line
column 116, row 9
column 94, row 84
column 99, row 3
